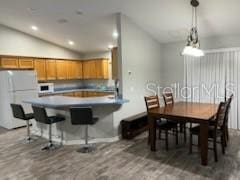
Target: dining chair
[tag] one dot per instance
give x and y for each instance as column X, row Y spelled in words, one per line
column 169, row 100
column 162, row 125
column 229, row 101
column 214, row 131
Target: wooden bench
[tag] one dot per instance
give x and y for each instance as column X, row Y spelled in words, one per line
column 134, row 125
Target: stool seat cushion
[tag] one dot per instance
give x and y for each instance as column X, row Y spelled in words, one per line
column 55, row 119
column 95, row 119
column 29, row 116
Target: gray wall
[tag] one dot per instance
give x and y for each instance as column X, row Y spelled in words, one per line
column 13, row 42
column 173, row 63
column 141, row 64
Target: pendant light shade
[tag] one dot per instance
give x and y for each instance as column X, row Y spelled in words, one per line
column 193, row 45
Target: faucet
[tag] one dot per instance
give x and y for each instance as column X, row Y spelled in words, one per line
column 116, row 93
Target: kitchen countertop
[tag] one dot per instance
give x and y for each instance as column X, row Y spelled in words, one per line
column 77, row 90
column 63, row 102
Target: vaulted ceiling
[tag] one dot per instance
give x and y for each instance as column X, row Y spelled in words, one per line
column 90, row 23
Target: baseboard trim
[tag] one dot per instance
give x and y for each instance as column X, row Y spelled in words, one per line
column 77, row 142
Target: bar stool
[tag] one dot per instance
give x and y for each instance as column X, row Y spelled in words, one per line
column 18, row 112
column 83, row 116
column 40, row 115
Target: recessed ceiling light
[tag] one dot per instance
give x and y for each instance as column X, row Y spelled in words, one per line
column 32, row 10
column 115, row 34
column 79, row 12
column 62, row 21
column 35, row 28
column 70, row 42
column 110, row 46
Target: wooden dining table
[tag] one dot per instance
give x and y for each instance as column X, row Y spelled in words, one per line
column 192, row 112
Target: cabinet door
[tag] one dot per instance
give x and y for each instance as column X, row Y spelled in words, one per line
column 40, row 67
column 78, row 94
column 70, row 94
column 51, row 69
column 84, row 93
column 25, row 63
column 115, row 63
column 9, row 63
column 102, row 69
column 61, row 67
column 78, row 69
column 74, row 70
column 70, row 70
column 89, row 69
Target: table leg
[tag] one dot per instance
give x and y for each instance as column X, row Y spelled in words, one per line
column 204, row 142
column 152, row 131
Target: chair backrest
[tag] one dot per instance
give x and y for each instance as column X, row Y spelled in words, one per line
column 168, row 98
column 152, row 102
column 81, row 115
column 40, row 114
column 221, row 114
column 229, row 101
column 18, row 111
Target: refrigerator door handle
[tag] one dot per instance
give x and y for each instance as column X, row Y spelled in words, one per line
column 10, row 84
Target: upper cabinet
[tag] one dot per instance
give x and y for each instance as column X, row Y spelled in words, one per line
column 40, row 67
column 61, row 68
column 89, row 69
column 25, row 63
column 9, row 62
column 95, row 69
column 51, row 69
column 74, row 70
column 115, row 63
column 102, row 69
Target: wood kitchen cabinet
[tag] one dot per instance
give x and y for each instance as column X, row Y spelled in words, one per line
column 70, row 94
column 40, row 67
column 78, row 94
column 74, row 70
column 25, row 63
column 51, row 69
column 102, row 69
column 89, row 69
column 115, row 63
column 95, row 69
column 61, row 69
column 8, row 62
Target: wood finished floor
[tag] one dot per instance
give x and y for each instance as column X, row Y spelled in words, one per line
column 123, row 160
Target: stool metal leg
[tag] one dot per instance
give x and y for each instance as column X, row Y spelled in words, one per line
column 29, row 138
column 50, row 144
column 87, row 148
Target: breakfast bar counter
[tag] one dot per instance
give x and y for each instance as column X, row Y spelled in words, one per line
column 66, row 102
column 65, row 132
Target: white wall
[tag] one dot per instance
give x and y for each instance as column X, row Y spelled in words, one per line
column 140, row 55
column 13, row 42
column 173, row 63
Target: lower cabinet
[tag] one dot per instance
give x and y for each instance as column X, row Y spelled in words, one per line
column 87, row 94
column 70, row 94
column 78, row 94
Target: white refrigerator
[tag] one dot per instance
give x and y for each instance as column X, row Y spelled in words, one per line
column 15, row 86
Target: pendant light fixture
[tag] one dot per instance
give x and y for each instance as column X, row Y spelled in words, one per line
column 193, row 45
